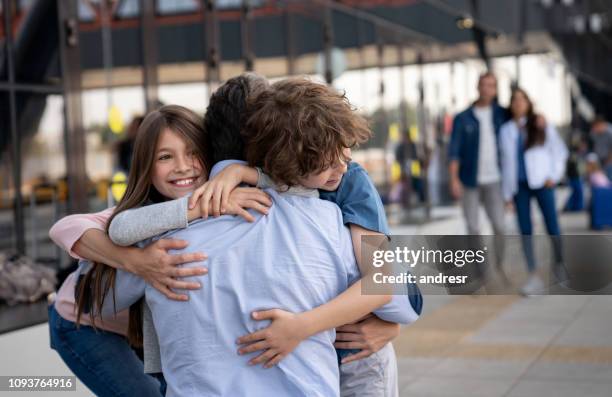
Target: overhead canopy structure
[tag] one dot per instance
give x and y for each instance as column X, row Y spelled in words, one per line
column 285, row 31
column 64, row 46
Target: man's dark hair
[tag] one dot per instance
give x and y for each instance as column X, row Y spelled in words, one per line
column 224, row 116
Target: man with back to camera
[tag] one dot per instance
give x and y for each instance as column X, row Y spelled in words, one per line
column 296, row 258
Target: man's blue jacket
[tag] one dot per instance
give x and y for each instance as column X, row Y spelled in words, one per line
column 465, row 140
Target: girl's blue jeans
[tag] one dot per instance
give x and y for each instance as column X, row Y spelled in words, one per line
column 546, row 201
column 102, row 360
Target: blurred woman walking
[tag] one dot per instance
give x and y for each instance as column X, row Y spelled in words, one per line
column 533, row 159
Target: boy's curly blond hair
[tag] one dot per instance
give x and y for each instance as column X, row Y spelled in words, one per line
column 297, row 127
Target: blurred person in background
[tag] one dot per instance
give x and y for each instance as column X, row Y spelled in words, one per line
column 575, row 201
column 533, row 159
column 597, row 178
column 474, row 162
column 125, row 147
column 601, row 143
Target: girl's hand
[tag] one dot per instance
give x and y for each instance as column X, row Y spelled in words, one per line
column 549, row 184
column 277, row 340
column 160, row 269
column 216, row 192
column 509, row 206
column 242, row 198
column 369, row 335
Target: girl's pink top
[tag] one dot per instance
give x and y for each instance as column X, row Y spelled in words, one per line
column 65, row 233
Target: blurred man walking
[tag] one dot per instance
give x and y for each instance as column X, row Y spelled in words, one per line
column 474, row 160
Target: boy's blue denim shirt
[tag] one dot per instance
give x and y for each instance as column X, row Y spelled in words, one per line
column 360, row 204
column 465, row 140
column 358, row 200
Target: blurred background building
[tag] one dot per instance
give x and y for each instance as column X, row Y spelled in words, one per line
column 74, row 74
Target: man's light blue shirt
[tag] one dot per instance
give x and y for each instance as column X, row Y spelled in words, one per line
column 296, row 258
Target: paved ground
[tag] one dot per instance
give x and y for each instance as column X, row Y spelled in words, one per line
column 461, row 346
column 506, row 345
column 509, row 346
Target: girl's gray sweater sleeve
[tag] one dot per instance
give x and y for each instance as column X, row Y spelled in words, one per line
column 150, row 344
column 134, row 225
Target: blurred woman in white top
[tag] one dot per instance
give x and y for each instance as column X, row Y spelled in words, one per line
column 533, row 158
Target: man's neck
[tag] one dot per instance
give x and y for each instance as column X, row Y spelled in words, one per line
column 482, row 103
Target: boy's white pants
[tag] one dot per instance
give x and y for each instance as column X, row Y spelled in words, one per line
column 374, row 376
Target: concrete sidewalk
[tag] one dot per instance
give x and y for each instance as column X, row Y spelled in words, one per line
column 461, row 346
column 506, row 345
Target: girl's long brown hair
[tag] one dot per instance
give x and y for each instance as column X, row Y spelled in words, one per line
column 536, row 135
column 92, row 290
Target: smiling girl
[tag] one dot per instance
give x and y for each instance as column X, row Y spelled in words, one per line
column 98, row 353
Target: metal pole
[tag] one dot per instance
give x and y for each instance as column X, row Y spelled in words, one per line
column 50, row 89
column 362, row 62
column 422, row 155
column 289, row 37
column 148, row 45
column 328, row 43
column 453, row 69
column 246, row 18
column 34, row 242
column 403, row 121
column 380, row 22
column 213, row 56
column 480, row 36
column 520, row 38
column 107, row 50
column 381, row 92
column 380, row 51
column 74, row 135
column 55, row 204
column 18, row 216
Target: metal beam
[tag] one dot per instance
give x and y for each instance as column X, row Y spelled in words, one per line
column 246, row 22
column 35, row 88
column 380, row 54
column 148, row 45
column 480, row 36
column 328, row 44
column 403, row 102
column 289, row 40
column 213, row 52
column 15, row 138
column 457, row 13
column 379, row 21
column 74, row 134
column 107, row 49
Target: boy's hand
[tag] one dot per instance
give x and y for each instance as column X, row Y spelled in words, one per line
column 242, row 198
column 277, row 340
column 369, row 335
column 216, row 192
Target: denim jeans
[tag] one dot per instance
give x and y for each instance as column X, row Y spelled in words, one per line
column 102, row 360
column 546, row 201
column 576, row 200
